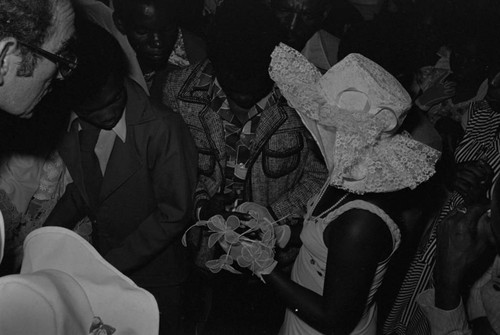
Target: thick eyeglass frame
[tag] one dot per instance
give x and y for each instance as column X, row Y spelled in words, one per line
column 64, row 65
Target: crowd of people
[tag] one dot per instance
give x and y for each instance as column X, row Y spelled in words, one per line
column 365, row 132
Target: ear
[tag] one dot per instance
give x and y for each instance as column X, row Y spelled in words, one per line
column 8, row 49
column 328, row 8
column 118, row 20
column 494, row 80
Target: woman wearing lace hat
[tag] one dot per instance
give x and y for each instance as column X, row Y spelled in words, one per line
column 349, row 234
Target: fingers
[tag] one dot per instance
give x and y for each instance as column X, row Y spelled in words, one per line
column 472, row 180
column 239, row 215
column 442, row 77
column 480, row 166
column 475, row 211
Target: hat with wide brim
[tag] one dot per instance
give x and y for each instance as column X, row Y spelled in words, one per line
column 66, row 287
column 2, row 236
column 353, row 112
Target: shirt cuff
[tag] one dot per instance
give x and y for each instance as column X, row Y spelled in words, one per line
column 442, row 321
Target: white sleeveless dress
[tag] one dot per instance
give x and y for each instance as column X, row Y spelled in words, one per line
column 310, row 266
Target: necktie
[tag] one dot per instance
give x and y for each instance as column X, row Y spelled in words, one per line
column 92, row 175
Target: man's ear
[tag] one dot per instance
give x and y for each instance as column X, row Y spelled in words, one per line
column 494, row 80
column 8, row 48
column 328, row 8
column 118, row 20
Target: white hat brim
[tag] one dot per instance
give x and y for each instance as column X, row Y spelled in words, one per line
column 113, row 296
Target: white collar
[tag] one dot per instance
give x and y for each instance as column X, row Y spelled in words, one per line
column 120, row 129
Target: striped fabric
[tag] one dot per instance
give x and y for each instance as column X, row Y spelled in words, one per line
column 481, row 141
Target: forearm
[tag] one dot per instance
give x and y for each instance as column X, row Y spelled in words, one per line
column 153, row 235
column 441, row 321
column 447, row 294
column 70, row 208
column 306, row 304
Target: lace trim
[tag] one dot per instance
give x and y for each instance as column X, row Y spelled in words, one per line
column 391, row 164
column 360, row 153
column 368, row 206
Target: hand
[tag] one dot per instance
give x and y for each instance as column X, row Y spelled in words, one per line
column 253, row 256
column 472, row 181
column 218, row 205
column 437, row 92
column 460, row 243
column 256, row 211
column 281, row 232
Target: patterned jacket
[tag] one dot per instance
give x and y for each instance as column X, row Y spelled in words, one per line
column 285, row 169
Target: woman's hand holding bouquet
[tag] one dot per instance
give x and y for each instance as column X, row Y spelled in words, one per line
column 250, row 243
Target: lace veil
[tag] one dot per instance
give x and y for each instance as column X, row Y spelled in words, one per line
column 353, row 111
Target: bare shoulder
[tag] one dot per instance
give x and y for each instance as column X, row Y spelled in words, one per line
column 359, row 227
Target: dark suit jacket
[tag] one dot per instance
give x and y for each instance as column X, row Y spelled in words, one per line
column 145, row 201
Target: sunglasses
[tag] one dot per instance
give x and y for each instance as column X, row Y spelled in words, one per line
column 66, row 61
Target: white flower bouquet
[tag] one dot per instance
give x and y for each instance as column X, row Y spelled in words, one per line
column 248, row 243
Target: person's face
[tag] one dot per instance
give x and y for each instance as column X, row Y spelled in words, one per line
column 300, row 19
column 152, row 33
column 24, row 93
column 494, row 224
column 105, row 109
column 244, row 93
column 493, row 94
column 467, row 66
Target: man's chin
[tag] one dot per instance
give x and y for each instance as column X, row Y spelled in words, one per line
column 156, row 63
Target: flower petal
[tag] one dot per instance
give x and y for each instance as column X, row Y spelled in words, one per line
column 216, row 223
column 231, row 269
column 213, row 238
column 252, row 223
column 231, row 237
column 243, row 262
column 232, row 222
column 214, row 265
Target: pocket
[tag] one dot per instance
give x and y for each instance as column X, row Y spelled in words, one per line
column 281, row 155
column 206, row 162
column 206, row 155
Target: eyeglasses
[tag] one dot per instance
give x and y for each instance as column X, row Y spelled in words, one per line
column 66, row 61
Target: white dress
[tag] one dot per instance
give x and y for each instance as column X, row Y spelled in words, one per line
column 310, row 266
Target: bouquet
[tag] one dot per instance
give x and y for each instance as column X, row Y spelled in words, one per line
column 250, row 243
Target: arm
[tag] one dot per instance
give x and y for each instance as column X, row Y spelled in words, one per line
column 70, row 209
column 313, row 177
column 173, row 163
column 356, row 243
column 459, row 246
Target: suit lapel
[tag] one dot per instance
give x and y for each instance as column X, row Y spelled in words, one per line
column 123, row 163
column 70, row 153
column 272, row 118
column 124, row 160
column 214, row 129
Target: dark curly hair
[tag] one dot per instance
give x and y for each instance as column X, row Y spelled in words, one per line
column 242, row 37
column 100, row 57
column 29, row 21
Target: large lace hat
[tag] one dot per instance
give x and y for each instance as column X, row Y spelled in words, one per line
column 2, row 237
column 353, row 112
column 65, row 287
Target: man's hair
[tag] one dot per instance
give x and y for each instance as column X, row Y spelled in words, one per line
column 125, row 7
column 242, row 37
column 29, row 21
column 100, row 57
column 482, row 29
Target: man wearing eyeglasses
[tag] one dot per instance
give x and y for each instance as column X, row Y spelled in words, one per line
column 34, row 42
